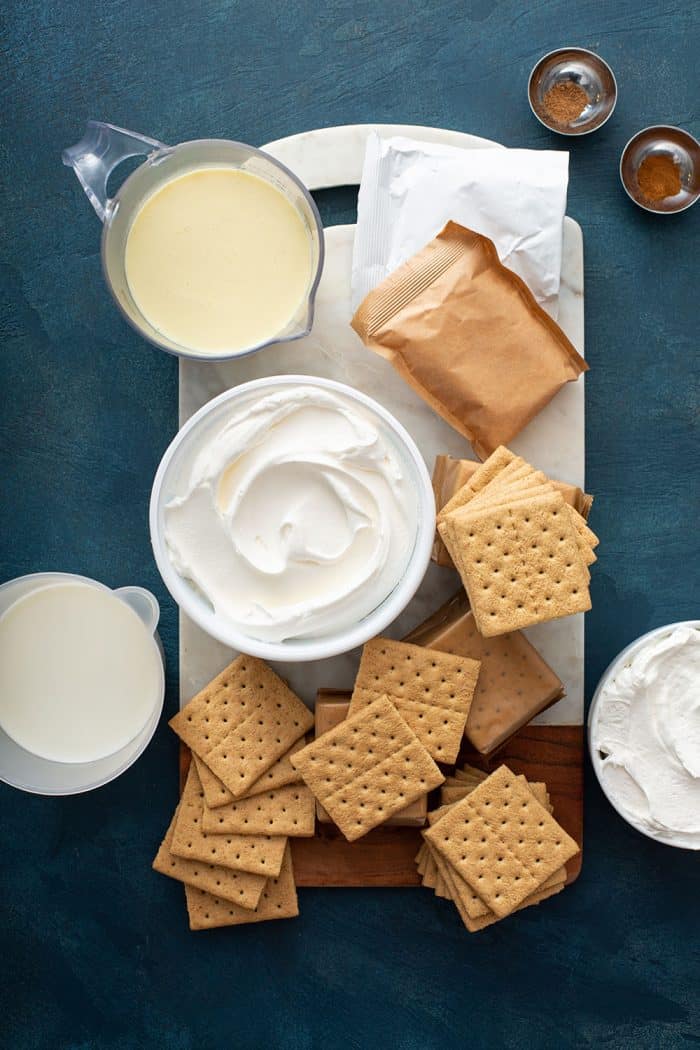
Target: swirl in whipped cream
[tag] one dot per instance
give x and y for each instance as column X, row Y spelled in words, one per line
column 646, row 730
column 298, row 519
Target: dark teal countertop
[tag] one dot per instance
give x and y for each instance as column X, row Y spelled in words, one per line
column 96, row 951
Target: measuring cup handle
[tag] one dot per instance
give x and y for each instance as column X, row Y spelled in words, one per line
column 144, row 604
column 95, row 157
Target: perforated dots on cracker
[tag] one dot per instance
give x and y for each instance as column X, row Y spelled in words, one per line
column 522, row 551
column 501, row 841
column 277, row 901
column 514, row 683
column 431, row 690
column 242, row 723
column 367, row 768
column 474, row 912
column 286, row 811
column 259, row 854
column 241, row 887
column 520, row 564
column 280, row 774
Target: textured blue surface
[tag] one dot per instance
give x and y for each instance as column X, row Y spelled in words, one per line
column 95, row 947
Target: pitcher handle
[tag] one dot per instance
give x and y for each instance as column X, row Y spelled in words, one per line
column 144, row 604
column 95, row 157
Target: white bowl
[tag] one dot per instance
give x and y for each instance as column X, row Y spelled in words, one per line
column 613, row 669
column 41, row 776
column 315, row 648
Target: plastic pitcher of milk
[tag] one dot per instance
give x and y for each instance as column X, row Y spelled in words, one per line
column 212, row 249
column 81, row 681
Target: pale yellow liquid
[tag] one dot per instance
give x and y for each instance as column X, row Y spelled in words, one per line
column 218, row 260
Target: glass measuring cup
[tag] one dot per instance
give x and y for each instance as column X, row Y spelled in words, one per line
column 104, row 146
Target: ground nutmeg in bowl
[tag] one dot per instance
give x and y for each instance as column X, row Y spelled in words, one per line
column 659, row 177
column 565, row 101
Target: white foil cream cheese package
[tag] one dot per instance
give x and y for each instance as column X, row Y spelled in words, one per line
column 298, row 518
column 646, row 732
column 410, row 189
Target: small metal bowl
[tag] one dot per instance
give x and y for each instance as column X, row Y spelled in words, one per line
column 577, row 66
column 657, row 141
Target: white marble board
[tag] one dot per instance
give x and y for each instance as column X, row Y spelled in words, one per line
column 554, row 441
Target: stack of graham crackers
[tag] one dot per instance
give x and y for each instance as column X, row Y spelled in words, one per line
column 242, row 801
column 521, row 550
column 450, row 475
column 407, row 712
column 493, row 846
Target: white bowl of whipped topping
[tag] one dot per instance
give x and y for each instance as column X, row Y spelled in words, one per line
column 644, row 734
column 292, row 518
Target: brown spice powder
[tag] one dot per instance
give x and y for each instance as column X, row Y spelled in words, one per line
column 565, row 101
column 659, row 177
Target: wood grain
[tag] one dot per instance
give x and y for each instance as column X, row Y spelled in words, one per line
column 385, row 857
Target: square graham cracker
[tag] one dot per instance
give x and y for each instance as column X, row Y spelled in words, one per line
column 331, row 709
column 277, row 901
column 241, row 887
column 475, row 914
column 242, row 722
column 367, row 768
column 286, row 811
column 280, row 774
column 259, row 854
column 431, row 690
column 501, row 841
column 499, row 459
column 514, row 683
column 520, row 565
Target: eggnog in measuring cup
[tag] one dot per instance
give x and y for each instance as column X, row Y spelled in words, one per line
column 218, row 260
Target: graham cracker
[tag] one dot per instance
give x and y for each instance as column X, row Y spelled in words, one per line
column 331, row 709
column 450, row 794
column 430, row 873
column 513, row 482
column 521, row 481
column 430, row 876
column 420, row 858
column 489, row 469
column 501, row 841
column 514, row 683
column 367, row 768
column 280, row 774
column 278, row 901
column 520, row 565
column 431, row 690
column 441, row 888
column 470, row 774
column 241, row 887
column 450, row 475
column 242, row 722
column 474, row 925
column 259, row 854
column 465, row 786
column 473, row 911
column 286, row 811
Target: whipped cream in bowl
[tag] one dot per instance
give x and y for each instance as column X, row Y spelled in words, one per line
column 292, row 518
column 644, row 734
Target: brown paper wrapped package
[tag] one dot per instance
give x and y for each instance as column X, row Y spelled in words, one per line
column 469, row 337
column 449, row 475
column 514, row 683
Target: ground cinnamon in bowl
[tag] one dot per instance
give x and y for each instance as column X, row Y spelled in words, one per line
column 659, row 177
column 565, row 101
